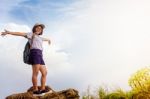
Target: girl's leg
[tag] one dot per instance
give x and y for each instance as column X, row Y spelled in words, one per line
column 43, row 71
column 35, row 71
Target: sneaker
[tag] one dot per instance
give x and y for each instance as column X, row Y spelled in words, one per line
column 37, row 93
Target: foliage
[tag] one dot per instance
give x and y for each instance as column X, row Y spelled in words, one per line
column 139, row 82
column 102, row 93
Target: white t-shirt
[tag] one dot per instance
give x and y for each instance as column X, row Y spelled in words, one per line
column 37, row 41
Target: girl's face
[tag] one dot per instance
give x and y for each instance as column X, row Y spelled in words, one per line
column 38, row 30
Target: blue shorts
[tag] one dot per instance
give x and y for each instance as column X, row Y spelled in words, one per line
column 36, row 57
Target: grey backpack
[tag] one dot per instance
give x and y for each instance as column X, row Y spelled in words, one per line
column 26, row 52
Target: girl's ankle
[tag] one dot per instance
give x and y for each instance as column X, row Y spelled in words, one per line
column 42, row 88
column 35, row 89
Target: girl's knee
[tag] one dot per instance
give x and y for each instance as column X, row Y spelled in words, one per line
column 35, row 73
column 43, row 71
column 35, row 69
column 44, row 74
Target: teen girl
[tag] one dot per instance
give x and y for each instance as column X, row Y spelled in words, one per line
column 36, row 56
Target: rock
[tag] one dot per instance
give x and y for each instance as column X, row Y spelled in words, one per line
column 64, row 94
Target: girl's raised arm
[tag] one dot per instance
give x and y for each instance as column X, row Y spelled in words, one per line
column 13, row 33
column 46, row 39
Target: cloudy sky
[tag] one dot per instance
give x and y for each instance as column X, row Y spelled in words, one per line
column 94, row 42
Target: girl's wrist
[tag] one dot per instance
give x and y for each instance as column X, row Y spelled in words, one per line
column 8, row 32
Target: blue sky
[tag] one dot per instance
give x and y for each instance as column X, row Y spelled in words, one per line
column 94, row 42
column 37, row 10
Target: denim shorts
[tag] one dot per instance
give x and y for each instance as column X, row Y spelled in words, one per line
column 36, row 57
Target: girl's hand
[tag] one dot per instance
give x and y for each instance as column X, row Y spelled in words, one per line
column 5, row 33
column 49, row 42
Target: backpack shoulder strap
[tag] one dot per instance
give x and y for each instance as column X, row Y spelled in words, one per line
column 32, row 40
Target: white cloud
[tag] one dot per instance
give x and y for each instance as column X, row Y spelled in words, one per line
column 119, row 41
column 15, row 27
column 109, row 40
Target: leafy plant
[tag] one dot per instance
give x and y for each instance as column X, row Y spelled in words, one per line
column 139, row 82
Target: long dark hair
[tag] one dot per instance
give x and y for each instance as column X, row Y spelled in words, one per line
column 34, row 29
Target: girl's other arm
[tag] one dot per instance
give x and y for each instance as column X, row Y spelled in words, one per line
column 46, row 39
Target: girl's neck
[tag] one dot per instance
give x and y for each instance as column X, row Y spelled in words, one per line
column 35, row 34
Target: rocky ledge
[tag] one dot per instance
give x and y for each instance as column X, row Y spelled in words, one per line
column 64, row 94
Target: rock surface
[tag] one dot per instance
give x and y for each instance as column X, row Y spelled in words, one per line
column 64, row 94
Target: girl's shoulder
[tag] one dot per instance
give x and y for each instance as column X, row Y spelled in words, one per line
column 29, row 35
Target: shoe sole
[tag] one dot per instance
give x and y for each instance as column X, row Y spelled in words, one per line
column 42, row 94
column 38, row 94
column 49, row 92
